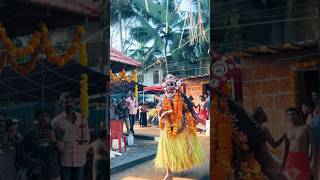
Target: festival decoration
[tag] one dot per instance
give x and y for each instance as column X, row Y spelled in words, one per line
column 221, row 71
column 33, row 48
column 24, row 70
column 2, row 63
column 61, row 60
column 84, row 98
column 13, row 50
column 83, row 55
column 123, row 77
column 224, row 129
column 42, row 38
column 249, row 167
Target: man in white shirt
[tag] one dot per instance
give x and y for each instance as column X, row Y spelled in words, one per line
column 132, row 106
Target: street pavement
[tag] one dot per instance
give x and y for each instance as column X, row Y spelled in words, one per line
column 146, row 171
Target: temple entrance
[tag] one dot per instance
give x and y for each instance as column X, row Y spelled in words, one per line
column 308, row 85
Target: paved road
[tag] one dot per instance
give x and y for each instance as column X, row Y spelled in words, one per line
column 145, row 170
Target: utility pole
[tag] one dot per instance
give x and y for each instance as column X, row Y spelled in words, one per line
column 120, row 26
column 104, row 23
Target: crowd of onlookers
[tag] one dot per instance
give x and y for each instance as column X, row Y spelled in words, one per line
column 57, row 148
column 61, row 146
column 129, row 110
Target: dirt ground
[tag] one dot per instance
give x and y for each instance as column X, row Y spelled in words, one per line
column 145, row 170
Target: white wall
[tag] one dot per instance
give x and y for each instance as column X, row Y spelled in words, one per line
column 148, row 76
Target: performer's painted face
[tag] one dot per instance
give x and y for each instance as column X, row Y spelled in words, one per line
column 170, row 85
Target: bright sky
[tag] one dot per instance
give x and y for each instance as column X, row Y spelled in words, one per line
column 115, row 34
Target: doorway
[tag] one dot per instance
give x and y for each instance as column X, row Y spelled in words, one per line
column 308, row 83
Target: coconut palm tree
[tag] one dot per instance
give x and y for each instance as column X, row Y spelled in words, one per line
column 161, row 32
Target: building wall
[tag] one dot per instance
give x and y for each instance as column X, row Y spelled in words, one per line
column 149, row 76
column 195, row 88
column 268, row 85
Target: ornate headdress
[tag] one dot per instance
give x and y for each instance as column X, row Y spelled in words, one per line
column 171, row 84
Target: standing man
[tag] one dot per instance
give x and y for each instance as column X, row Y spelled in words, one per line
column 76, row 136
column 122, row 112
column 315, row 98
column 312, row 116
column 298, row 139
column 41, row 147
column 132, row 106
column 113, row 106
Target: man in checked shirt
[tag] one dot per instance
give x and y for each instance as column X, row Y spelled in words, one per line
column 76, row 138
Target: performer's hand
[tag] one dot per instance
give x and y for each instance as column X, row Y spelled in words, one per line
column 166, row 113
column 312, row 168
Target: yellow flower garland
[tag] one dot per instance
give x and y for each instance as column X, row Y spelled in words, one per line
column 83, row 55
column 122, row 76
column 84, row 98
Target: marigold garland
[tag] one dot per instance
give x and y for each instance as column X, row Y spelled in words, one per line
column 249, row 167
column 24, row 70
column 122, row 76
column 84, row 98
column 83, row 55
column 171, row 123
column 222, row 137
column 2, row 63
column 61, row 60
column 18, row 52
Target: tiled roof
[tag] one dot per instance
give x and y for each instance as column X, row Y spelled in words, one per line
column 85, row 7
column 276, row 49
column 117, row 56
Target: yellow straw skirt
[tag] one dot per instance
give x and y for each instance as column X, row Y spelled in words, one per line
column 179, row 153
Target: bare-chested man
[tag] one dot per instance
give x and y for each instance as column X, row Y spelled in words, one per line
column 298, row 140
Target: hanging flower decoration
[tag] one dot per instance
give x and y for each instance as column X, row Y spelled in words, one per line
column 83, row 55
column 24, row 70
column 2, row 63
column 13, row 50
column 84, row 98
column 61, row 60
column 249, row 166
column 223, row 144
column 123, row 77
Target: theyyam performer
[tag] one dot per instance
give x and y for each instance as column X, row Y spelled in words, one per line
column 179, row 148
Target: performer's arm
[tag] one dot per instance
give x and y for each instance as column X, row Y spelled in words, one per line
column 270, row 139
column 286, row 151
